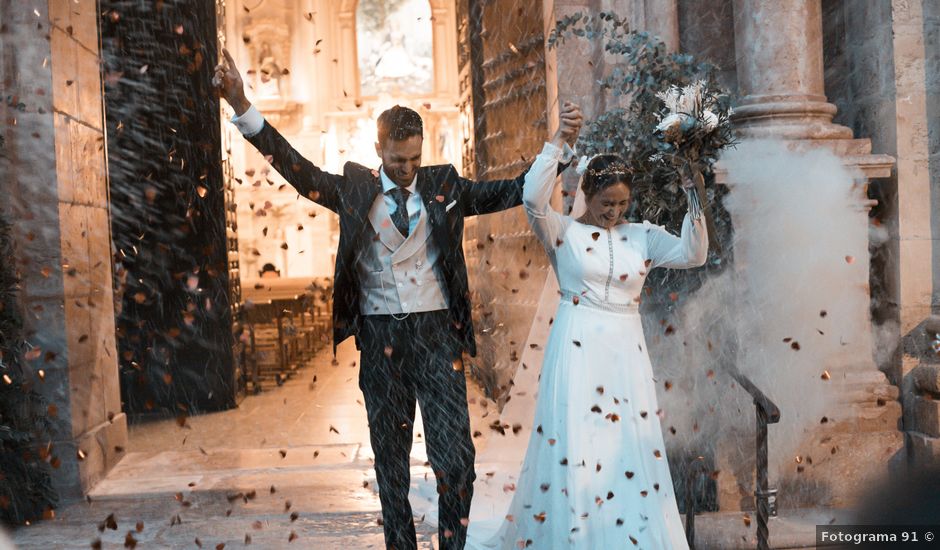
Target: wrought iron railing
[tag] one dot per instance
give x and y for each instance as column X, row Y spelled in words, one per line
column 696, row 470
column 764, row 496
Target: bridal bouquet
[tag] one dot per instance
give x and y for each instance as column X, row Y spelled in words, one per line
column 671, row 128
column 694, row 127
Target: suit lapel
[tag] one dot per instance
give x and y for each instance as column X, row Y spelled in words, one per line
column 373, row 210
column 368, row 181
column 434, row 199
column 415, row 240
column 381, row 222
column 425, row 185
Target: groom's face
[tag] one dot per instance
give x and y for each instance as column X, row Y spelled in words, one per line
column 401, row 158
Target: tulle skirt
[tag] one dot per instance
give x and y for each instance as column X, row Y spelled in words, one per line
column 595, row 473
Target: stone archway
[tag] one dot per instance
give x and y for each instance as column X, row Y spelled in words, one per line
column 63, row 206
column 444, row 20
column 347, row 117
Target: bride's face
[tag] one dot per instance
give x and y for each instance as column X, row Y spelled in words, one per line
column 608, row 206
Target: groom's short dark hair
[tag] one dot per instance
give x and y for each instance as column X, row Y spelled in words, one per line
column 399, row 123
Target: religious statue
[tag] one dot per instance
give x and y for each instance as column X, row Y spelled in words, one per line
column 270, row 73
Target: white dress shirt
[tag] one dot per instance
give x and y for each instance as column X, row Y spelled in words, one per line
column 414, row 203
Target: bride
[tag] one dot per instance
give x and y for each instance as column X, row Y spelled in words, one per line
column 595, row 473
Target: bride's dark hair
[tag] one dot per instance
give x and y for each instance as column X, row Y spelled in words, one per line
column 604, row 171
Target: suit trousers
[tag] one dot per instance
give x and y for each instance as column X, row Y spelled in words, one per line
column 403, row 361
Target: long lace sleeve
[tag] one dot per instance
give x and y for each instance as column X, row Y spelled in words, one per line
column 688, row 250
column 547, row 224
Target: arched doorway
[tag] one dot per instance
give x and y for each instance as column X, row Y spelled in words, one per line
column 302, row 65
column 419, row 71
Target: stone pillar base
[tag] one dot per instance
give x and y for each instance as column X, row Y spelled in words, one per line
column 788, row 117
column 839, row 470
column 101, row 448
column 922, row 404
column 847, row 455
column 839, row 460
column 853, row 152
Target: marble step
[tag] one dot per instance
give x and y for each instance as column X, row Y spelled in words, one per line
column 924, row 449
column 926, row 378
column 922, row 414
column 864, row 417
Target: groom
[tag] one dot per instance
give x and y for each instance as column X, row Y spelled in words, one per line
column 401, row 289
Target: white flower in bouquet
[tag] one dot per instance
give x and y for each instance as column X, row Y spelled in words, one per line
column 671, row 98
column 683, row 106
column 670, row 121
column 691, row 100
column 711, row 120
column 686, row 100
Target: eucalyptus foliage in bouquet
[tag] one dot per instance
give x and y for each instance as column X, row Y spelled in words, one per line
column 674, row 126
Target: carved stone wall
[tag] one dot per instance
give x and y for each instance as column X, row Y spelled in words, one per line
column 506, row 264
column 707, row 30
column 55, row 191
column 883, row 72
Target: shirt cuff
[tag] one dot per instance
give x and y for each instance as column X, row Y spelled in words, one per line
column 552, row 151
column 567, row 154
column 250, row 122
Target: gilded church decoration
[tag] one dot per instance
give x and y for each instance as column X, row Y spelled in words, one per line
column 395, row 43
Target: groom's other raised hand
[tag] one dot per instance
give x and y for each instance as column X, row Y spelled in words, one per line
column 229, row 82
column 569, row 127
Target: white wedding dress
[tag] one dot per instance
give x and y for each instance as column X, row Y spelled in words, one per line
column 595, row 474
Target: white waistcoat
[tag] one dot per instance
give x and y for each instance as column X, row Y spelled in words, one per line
column 398, row 275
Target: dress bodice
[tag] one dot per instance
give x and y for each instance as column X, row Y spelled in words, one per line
column 602, row 265
column 606, row 266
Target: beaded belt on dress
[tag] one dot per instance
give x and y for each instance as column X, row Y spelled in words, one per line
column 568, row 296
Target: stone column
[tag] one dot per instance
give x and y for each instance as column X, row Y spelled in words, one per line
column 55, row 192
column 779, row 56
column 659, row 17
column 445, row 49
column 778, row 49
column 914, row 229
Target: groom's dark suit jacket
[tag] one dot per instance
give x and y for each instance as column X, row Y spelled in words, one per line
column 351, row 196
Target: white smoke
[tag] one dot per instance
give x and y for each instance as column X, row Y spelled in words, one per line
column 794, row 304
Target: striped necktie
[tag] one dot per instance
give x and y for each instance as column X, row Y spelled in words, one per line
column 400, row 218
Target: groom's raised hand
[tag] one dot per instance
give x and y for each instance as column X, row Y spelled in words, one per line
column 228, row 81
column 570, row 121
